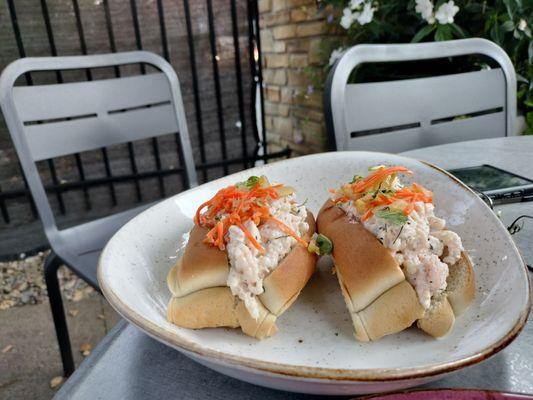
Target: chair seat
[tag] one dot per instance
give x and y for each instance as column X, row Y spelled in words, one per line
column 81, row 245
column 85, row 266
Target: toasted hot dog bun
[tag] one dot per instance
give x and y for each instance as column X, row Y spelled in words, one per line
column 260, row 328
column 380, row 300
column 206, row 308
column 282, row 286
column 461, row 288
column 203, row 268
column 459, row 294
column 367, row 270
column 439, row 319
column 217, row 307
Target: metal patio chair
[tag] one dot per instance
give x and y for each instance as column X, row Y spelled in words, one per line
column 400, row 115
column 154, row 107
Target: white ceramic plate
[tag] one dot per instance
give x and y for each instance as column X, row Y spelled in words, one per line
column 315, row 350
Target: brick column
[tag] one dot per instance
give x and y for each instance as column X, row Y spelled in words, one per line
column 291, row 33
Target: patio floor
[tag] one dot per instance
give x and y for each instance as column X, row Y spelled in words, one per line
column 29, row 356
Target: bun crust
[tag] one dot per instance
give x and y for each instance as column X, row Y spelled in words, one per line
column 461, row 288
column 377, row 295
column 438, row 319
column 198, row 284
column 206, row 308
column 401, row 307
column 367, row 269
column 380, row 300
column 291, row 275
column 202, row 266
column 457, row 297
column 263, row 327
column 217, row 307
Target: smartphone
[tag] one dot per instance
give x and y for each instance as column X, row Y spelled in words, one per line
column 501, row 186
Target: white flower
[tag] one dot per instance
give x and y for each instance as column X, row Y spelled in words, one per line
column 446, row 12
column 367, row 14
column 335, row 55
column 523, row 26
column 347, row 18
column 355, row 3
column 425, row 9
column 363, row 16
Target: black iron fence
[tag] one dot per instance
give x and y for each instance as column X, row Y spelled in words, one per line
column 214, row 46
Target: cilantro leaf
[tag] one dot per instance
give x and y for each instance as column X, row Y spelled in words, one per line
column 250, row 182
column 396, row 217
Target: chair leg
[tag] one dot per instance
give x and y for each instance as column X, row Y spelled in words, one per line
column 51, row 266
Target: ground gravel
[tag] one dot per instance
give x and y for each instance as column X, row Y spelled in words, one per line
column 22, row 282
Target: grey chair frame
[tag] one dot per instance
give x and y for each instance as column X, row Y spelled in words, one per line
column 335, row 106
column 66, row 244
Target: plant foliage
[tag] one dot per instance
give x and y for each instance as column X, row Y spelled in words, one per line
column 506, row 22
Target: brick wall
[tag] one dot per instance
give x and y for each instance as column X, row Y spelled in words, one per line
column 291, row 33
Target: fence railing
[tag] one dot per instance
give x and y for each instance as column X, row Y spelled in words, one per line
column 214, row 45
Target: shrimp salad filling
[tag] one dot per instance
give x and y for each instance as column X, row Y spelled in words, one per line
column 258, row 224
column 402, row 218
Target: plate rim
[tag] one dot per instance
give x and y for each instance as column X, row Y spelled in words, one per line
column 320, row 373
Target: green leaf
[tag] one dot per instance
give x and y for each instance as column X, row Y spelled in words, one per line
column 459, row 32
column 529, row 123
column 496, row 34
column 488, row 24
column 511, row 7
column 250, row 182
column 508, row 26
column 443, row 32
column 521, row 92
column 396, row 217
column 521, row 78
column 422, row 33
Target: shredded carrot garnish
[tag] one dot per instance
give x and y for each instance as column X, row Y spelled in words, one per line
column 376, row 192
column 234, row 206
column 408, row 208
column 368, row 214
column 250, row 237
column 288, row 231
column 413, row 196
column 381, row 200
column 377, row 176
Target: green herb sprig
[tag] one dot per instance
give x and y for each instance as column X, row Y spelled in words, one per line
column 396, row 217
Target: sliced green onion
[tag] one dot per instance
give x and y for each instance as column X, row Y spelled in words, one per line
column 320, row 245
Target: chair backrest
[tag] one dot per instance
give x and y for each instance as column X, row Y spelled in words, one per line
column 82, row 116
column 399, row 115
